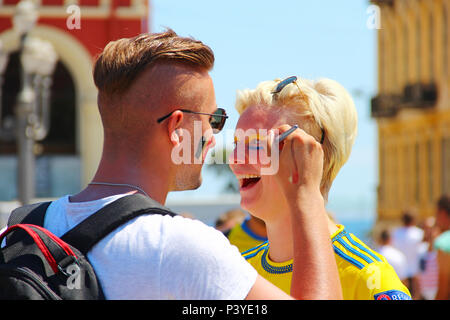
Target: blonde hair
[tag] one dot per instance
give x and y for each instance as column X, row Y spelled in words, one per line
column 313, row 105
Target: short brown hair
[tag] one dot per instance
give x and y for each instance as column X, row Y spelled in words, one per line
column 444, row 203
column 123, row 60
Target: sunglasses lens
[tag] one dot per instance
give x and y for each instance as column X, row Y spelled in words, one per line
column 217, row 120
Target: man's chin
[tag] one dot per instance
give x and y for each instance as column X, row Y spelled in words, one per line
column 193, row 184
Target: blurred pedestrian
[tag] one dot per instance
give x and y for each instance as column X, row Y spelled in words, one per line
column 408, row 239
column 228, row 220
column 394, row 256
column 248, row 234
column 428, row 276
column 442, row 246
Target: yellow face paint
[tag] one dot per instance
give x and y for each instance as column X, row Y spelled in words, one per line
column 254, row 142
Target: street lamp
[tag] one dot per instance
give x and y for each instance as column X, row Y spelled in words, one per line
column 3, row 63
column 32, row 111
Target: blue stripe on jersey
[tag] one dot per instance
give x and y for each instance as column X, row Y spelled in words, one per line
column 348, row 258
column 249, row 254
column 254, row 248
column 246, row 229
column 349, row 237
column 355, row 252
column 274, row 269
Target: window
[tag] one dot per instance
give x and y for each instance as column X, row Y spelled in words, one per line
column 418, row 43
column 61, row 136
column 445, row 149
column 430, row 171
column 405, row 71
column 417, row 174
column 445, row 35
column 431, row 44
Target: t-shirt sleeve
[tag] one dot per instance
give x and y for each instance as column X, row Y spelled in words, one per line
column 379, row 281
column 198, row 262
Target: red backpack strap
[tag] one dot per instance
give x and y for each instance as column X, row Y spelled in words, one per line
column 29, row 214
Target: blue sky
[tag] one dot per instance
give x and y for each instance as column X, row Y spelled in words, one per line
column 256, row 40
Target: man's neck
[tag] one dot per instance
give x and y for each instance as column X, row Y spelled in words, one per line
column 154, row 182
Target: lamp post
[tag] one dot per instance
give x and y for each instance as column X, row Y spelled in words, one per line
column 32, row 110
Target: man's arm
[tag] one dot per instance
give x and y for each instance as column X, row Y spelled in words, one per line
column 265, row 290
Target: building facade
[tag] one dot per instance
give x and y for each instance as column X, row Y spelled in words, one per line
column 412, row 107
column 78, row 30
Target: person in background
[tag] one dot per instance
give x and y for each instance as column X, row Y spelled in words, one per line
column 428, row 276
column 248, row 234
column 228, row 220
column 442, row 246
column 325, row 111
column 408, row 239
column 394, row 256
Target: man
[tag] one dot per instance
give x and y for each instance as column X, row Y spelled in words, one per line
column 442, row 245
column 408, row 239
column 394, row 256
column 153, row 92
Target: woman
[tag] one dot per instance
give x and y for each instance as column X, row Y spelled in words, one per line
column 325, row 111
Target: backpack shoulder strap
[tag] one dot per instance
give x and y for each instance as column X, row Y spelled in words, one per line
column 31, row 214
column 94, row 228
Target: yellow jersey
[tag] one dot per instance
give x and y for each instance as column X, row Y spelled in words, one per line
column 364, row 273
column 243, row 238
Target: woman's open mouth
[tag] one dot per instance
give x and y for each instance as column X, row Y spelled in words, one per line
column 248, row 181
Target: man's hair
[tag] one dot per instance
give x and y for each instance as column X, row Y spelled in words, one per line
column 123, row 60
column 409, row 216
column 313, row 105
column 385, row 236
column 444, row 203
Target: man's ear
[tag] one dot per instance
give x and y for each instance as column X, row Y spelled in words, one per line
column 174, row 129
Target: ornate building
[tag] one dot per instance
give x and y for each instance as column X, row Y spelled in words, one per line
column 412, row 107
column 78, row 30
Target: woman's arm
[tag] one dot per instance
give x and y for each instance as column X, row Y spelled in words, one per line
column 315, row 274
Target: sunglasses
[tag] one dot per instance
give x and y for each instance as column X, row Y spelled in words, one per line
column 216, row 119
column 283, row 84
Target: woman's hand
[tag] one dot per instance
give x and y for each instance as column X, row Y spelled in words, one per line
column 300, row 165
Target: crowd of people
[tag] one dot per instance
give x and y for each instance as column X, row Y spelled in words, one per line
column 419, row 252
column 412, row 249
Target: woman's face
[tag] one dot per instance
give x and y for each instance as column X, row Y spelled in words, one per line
column 260, row 193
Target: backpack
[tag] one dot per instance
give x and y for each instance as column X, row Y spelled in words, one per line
column 37, row 265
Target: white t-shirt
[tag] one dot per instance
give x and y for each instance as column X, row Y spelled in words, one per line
column 408, row 240
column 159, row 257
column 396, row 259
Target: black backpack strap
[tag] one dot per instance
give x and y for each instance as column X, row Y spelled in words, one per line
column 30, row 214
column 94, row 228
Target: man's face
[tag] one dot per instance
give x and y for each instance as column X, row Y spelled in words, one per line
column 197, row 132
